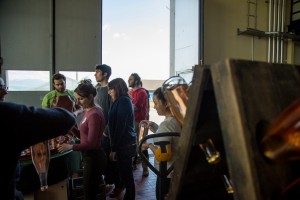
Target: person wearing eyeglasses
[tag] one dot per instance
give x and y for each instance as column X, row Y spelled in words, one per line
column 3, row 89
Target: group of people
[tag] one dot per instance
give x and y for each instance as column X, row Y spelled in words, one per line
column 31, row 122
column 108, row 128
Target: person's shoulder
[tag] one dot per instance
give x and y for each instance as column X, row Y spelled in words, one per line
column 102, row 89
column 143, row 91
column 49, row 94
column 124, row 99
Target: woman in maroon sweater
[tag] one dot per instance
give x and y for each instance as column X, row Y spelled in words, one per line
column 90, row 133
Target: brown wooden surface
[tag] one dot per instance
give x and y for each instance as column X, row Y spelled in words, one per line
column 193, row 177
column 248, row 95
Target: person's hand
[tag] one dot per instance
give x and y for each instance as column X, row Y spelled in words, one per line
column 145, row 146
column 153, row 126
column 113, row 156
column 64, row 147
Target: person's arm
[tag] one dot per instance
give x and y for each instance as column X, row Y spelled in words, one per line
column 146, row 146
column 32, row 124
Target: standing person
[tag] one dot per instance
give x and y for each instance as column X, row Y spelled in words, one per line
column 59, row 96
column 103, row 100
column 3, row 93
column 3, row 89
column 170, row 124
column 90, row 133
column 121, row 129
column 31, row 122
column 140, row 102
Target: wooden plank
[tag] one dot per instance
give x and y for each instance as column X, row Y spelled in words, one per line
column 249, row 95
column 187, row 133
column 193, row 176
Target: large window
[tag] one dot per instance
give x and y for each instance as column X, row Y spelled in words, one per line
column 73, row 78
column 23, row 80
column 138, row 41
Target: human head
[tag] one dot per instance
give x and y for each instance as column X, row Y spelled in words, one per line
column 117, row 87
column 85, row 93
column 160, row 103
column 59, row 82
column 3, row 89
column 102, row 72
column 134, row 80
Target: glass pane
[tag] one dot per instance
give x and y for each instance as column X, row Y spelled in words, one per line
column 139, row 42
column 73, row 78
column 23, row 80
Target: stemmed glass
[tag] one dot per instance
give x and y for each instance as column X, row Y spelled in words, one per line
column 213, row 156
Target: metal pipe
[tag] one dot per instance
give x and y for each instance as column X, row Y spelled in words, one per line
column 270, row 27
column 282, row 30
column 274, row 29
column 278, row 38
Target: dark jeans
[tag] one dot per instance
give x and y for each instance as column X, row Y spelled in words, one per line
column 111, row 174
column 124, row 160
column 94, row 163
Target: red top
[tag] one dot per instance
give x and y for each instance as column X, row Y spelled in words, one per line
column 140, row 100
column 91, row 130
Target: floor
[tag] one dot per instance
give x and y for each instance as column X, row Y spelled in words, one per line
column 144, row 186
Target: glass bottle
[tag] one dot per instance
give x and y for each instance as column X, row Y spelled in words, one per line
column 281, row 141
column 40, row 155
column 175, row 91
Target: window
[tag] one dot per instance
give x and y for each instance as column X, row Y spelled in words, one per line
column 73, row 78
column 24, row 80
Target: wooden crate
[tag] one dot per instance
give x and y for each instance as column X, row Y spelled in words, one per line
column 233, row 102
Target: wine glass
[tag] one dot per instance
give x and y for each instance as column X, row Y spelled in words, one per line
column 213, row 156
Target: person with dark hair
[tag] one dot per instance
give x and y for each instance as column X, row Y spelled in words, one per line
column 31, row 122
column 3, row 89
column 3, row 93
column 123, row 142
column 170, row 124
column 103, row 100
column 90, row 133
column 59, row 96
column 140, row 101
